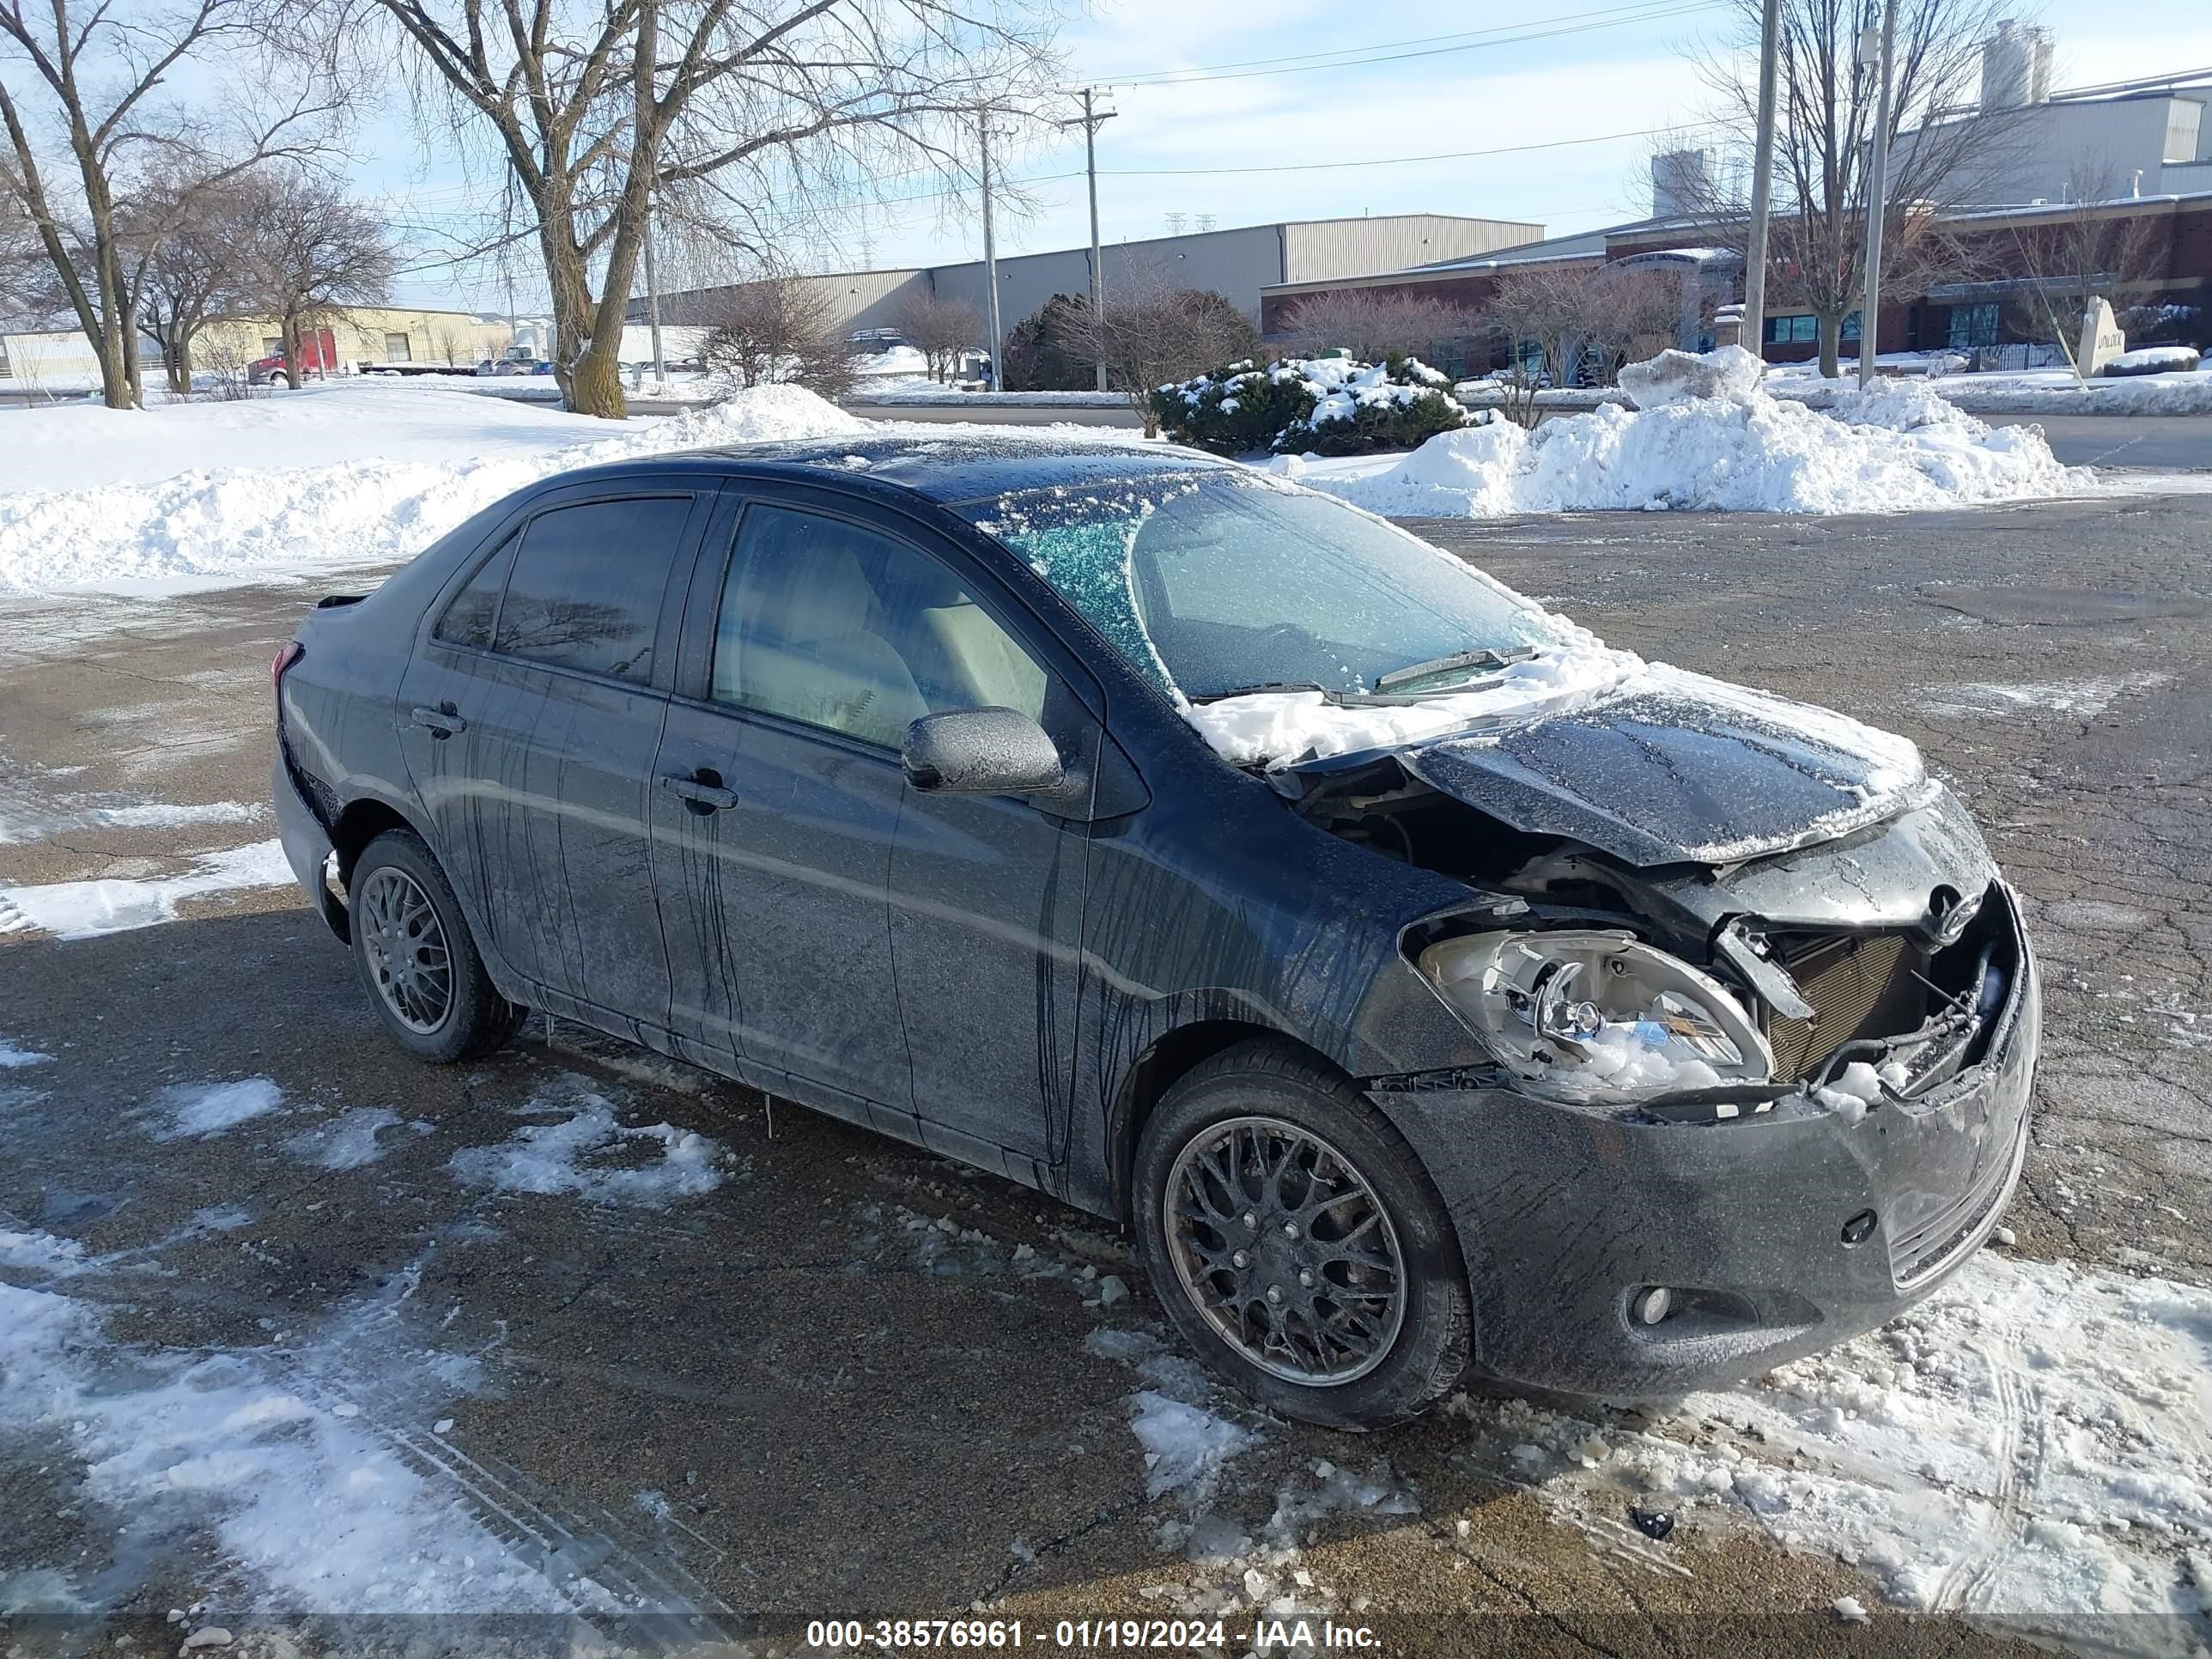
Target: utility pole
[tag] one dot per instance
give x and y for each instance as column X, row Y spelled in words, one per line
column 1753, row 333
column 1877, row 193
column 652, row 297
column 990, row 251
column 1089, row 122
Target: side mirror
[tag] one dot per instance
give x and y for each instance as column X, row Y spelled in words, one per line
column 980, row 751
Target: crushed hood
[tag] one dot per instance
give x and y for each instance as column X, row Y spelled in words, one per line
column 1678, row 768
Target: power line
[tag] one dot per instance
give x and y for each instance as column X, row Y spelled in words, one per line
column 1404, row 161
column 1505, row 35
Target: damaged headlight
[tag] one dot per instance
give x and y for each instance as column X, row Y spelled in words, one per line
column 1590, row 1014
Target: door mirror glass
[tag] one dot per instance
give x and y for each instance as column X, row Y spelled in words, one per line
column 980, row 751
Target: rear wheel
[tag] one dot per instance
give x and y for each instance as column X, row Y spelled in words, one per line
column 413, row 945
column 1296, row 1242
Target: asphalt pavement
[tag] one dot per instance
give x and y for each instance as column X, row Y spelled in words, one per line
column 852, row 1379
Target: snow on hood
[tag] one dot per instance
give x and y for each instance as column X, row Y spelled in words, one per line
column 1709, row 438
column 1274, row 728
column 1647, row 762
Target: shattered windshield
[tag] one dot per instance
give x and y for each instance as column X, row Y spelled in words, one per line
column 1215, row 583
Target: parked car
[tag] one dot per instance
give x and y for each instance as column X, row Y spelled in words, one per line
column 1423, row 985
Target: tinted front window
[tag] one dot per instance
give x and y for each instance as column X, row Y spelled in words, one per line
column 827, row 621
column 1216, row 582
column 588, row 582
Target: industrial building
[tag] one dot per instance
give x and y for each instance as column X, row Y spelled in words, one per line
column 1237, row 263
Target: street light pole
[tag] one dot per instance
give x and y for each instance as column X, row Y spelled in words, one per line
column 990, row 251
column 1877, row 194
column 1762, row 185
column 1089, row 122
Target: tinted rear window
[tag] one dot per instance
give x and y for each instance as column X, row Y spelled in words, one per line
column 588, row 582
column 468, row 620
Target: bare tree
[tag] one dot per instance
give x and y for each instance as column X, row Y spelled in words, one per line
column 1544, row 311
column 309, row 248
column 1634, row 312
column 80, row 85
column 1371, row 325
column 2081, row 252
column 778, row 328
column 941, row 330
column 193, row 270
column 1827, row 108
column 731, row 111
column 1148, row 333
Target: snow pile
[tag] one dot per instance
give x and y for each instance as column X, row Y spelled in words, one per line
column 156, row 815
column 1675, row 377
column 228, row 522
column 1343, row 387
column 203, row 1110
column 1895, row 447
column 2154, row 360
column 2033, row 1444
column 12, row 1058
column 83, row 909
column 1279, row 726
column 40, row 1253
column 579, row 1155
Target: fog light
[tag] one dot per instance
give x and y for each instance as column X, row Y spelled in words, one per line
column 1859, row 1226
column 1651, row 1305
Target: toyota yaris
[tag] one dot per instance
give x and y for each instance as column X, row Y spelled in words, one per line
column 1424, row 984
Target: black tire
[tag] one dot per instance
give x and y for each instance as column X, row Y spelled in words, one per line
column 476, row 1019
column 1266, row 1078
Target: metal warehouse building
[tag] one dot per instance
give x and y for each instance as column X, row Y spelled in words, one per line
column 1237, row 263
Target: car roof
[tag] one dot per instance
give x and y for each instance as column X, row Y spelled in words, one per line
column 948, row 468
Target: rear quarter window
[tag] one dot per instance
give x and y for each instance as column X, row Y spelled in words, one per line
column 470, row 619
column 586, row 582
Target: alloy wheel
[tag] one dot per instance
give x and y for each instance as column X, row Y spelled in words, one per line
column 405, row 943
column 1286, row 1251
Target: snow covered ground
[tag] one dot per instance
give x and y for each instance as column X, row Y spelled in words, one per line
column 363, row 471
column 1893, row 449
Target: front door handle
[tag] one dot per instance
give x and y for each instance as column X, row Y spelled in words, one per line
column 705, row 794
column 443, row 721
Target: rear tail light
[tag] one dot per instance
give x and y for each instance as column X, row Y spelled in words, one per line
column 292, row 653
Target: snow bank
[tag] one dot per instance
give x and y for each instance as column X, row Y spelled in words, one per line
column 2156, row 360
column 427, row 468
column 1895, row 447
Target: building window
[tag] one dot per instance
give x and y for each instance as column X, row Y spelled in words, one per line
column 1850, row 328
column 1793, row 331
column 1973, row 326
column 398, row 349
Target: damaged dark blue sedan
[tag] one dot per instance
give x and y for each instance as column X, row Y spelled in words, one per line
column 1426, row 986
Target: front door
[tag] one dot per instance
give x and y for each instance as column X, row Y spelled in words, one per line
column 529, row 717
column 918, row 951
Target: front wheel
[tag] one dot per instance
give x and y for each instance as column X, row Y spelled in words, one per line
column 411, row 943
column 1296, row 1242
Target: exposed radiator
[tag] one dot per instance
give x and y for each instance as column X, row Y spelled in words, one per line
column 1859, row 985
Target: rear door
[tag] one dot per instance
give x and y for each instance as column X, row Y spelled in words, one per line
column 530, row 715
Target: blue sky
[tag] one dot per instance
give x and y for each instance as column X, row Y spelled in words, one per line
column 1583, row 85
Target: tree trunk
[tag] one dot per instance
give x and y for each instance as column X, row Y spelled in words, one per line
column 595, row 385
column 177, row 358
column 287, row 327
column 1832, row 330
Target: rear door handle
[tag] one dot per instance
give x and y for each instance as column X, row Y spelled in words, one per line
column 704, row 797
column 443, row 722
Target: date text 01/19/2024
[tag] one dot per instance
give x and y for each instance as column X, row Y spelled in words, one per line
column 1089, row 1635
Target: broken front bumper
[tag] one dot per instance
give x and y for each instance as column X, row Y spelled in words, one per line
column 1777, row 1234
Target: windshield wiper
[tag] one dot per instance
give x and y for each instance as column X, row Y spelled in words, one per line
column 1266, row 685
column 1398, row 679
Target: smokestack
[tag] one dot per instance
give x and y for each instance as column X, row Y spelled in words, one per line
column 1681, row 183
